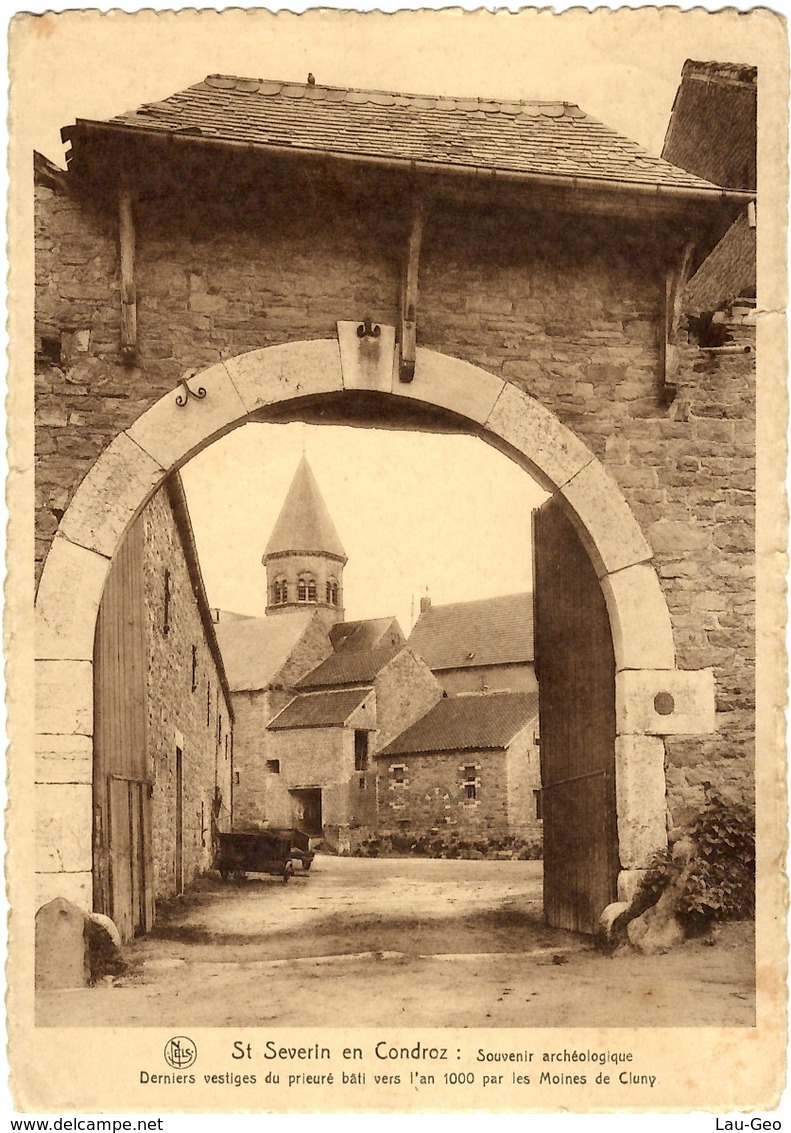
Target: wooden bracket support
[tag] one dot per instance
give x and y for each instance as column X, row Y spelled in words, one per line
column 407, row 345
column 675, row 282
column 126, row 241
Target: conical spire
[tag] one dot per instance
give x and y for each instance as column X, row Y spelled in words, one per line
column 304, row 523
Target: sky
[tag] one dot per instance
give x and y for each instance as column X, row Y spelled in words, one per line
column 414, row 512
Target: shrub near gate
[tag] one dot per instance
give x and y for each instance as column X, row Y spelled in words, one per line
column 715, row 879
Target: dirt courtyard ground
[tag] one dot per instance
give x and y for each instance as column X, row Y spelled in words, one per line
column 414, row 942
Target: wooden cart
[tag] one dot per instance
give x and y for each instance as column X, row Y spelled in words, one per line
column 264, row 852
column 300, row 847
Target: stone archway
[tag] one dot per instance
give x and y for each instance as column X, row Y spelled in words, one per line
column 177, row 426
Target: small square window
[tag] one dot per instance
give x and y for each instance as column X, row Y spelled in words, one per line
column 273, row 766
column 471, row 791
column 399, row 774
column 362, row 783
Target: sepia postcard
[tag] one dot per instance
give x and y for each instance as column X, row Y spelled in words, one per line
column 395, row 615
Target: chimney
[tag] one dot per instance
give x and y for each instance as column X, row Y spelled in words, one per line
column 425, row 604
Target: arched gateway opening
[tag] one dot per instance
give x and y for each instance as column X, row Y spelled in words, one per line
column 602, row 751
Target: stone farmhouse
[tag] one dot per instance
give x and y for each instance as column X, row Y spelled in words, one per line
column 252, row 249
column 478, row 646
column 469, row 765
column 162, row 760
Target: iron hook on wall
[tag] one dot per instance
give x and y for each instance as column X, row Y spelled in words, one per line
column 183, row 398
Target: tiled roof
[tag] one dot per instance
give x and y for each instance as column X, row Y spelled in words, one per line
column 304, row 524
column 351, row 637
column 255, row 649
column 359, row 668
column 725, row 274
column 713, row 124
column 491, row 631
column 320, row 709
column 468, row 723
column 526, row 138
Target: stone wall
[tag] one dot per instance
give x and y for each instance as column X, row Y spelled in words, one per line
column 423, row 792
column 314, row 757
column 488, row 678
column 255, row 802
column 312, row 648
column 187, row 707
column 252, row 712
column 524, row 779
column 405, row 690
column 566, row 309
column 432, row 793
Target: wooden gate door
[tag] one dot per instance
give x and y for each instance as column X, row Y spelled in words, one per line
column 575, row 666
column 123, row 867
column 130, row 884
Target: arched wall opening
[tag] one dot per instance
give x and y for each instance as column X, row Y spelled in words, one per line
column 339, row 380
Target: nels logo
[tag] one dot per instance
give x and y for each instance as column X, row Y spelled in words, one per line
column 180, row 1052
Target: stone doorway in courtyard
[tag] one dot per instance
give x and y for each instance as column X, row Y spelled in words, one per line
column 306, row 810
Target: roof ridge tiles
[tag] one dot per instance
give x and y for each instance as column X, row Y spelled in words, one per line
column 452, row 102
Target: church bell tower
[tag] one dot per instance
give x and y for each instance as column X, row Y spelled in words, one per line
column 304, row 557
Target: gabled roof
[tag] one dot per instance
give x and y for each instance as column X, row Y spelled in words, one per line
column 359, row 668
column 529, row 138
column 320, row 709
column 304, row 523
column 254, row 650
column 726, row 273
column 351, row 637
column 490, row 631
column 713, row 125
column 480, row 722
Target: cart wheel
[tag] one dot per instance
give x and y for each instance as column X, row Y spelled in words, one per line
column 306, row 865
column 288, row 871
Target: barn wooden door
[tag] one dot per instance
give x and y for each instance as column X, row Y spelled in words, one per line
column 575, row 667
column 123, row 874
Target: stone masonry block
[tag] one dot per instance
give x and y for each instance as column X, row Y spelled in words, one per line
column 665, row 703
column 61, row 947
column 640, row 799
column 639, row 617
column 75, row 887
column 64, row 814
column 277, row 373
column 552, row 450
column 170, row 433
column 367, row 363
column 64, row 697
column 68, row 599
column 451, row 384
column 64, row 759
column 109, row 496
column 604, row 521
